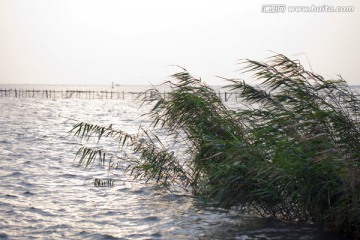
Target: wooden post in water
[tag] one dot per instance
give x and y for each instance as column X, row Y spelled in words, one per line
column 227, row 98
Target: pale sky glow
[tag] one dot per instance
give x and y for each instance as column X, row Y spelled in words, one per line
column 136, row 42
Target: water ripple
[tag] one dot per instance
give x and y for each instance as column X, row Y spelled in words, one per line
column 44, row 196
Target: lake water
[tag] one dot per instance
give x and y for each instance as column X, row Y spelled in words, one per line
column 44, row 195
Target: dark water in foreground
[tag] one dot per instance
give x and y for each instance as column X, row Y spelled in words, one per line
column 44, row 196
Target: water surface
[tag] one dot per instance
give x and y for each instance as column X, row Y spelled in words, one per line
column 43, row 195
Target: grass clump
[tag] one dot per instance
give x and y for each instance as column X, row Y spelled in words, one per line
column 291, row 151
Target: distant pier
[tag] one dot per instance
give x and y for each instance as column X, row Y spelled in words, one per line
column 83, row 94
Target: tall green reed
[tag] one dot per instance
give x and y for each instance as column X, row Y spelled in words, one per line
column 292, row 152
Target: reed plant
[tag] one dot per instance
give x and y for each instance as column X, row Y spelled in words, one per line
column 291, row 150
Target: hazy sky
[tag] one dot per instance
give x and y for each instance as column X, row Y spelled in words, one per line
column 136, row 42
